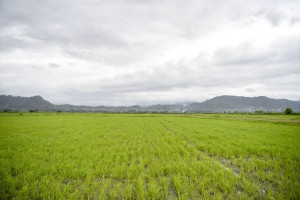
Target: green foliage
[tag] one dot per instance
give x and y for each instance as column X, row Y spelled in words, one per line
column 288, row 111
column 149, row 156
column 259, row 112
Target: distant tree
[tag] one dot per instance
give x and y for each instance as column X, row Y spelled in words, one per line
column 288, row 111
column 259, row 112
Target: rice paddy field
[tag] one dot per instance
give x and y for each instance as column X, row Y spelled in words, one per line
column 149, row 156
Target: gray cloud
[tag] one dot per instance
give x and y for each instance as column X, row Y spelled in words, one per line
column 10, row 43
column 129, row 51
column 54, row 65
column 250, row 90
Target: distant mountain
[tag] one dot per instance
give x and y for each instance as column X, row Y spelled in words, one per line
column 25, row 103
column 243, row 104
column 217, row 104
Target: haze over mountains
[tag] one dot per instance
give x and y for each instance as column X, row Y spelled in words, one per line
column 216, row 104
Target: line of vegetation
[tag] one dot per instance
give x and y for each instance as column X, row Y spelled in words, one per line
column 288, row 111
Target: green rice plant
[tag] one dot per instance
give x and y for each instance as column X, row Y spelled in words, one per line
column 153, row 190
column 164, row 183
column 128, row 193
column 180, row 186
column 149, row 156
column 140, row 189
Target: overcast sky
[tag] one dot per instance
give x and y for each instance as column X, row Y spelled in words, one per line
column 126, row 52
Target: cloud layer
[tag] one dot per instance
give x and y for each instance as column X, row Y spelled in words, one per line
column 125, row 52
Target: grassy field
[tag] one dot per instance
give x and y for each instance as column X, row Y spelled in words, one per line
column 149, row 156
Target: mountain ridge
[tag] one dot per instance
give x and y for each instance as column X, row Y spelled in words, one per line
column 224, row 103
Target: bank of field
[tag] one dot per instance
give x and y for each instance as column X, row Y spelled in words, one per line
column 149, row 156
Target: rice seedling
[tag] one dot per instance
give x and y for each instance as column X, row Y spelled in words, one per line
column 149, row 156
